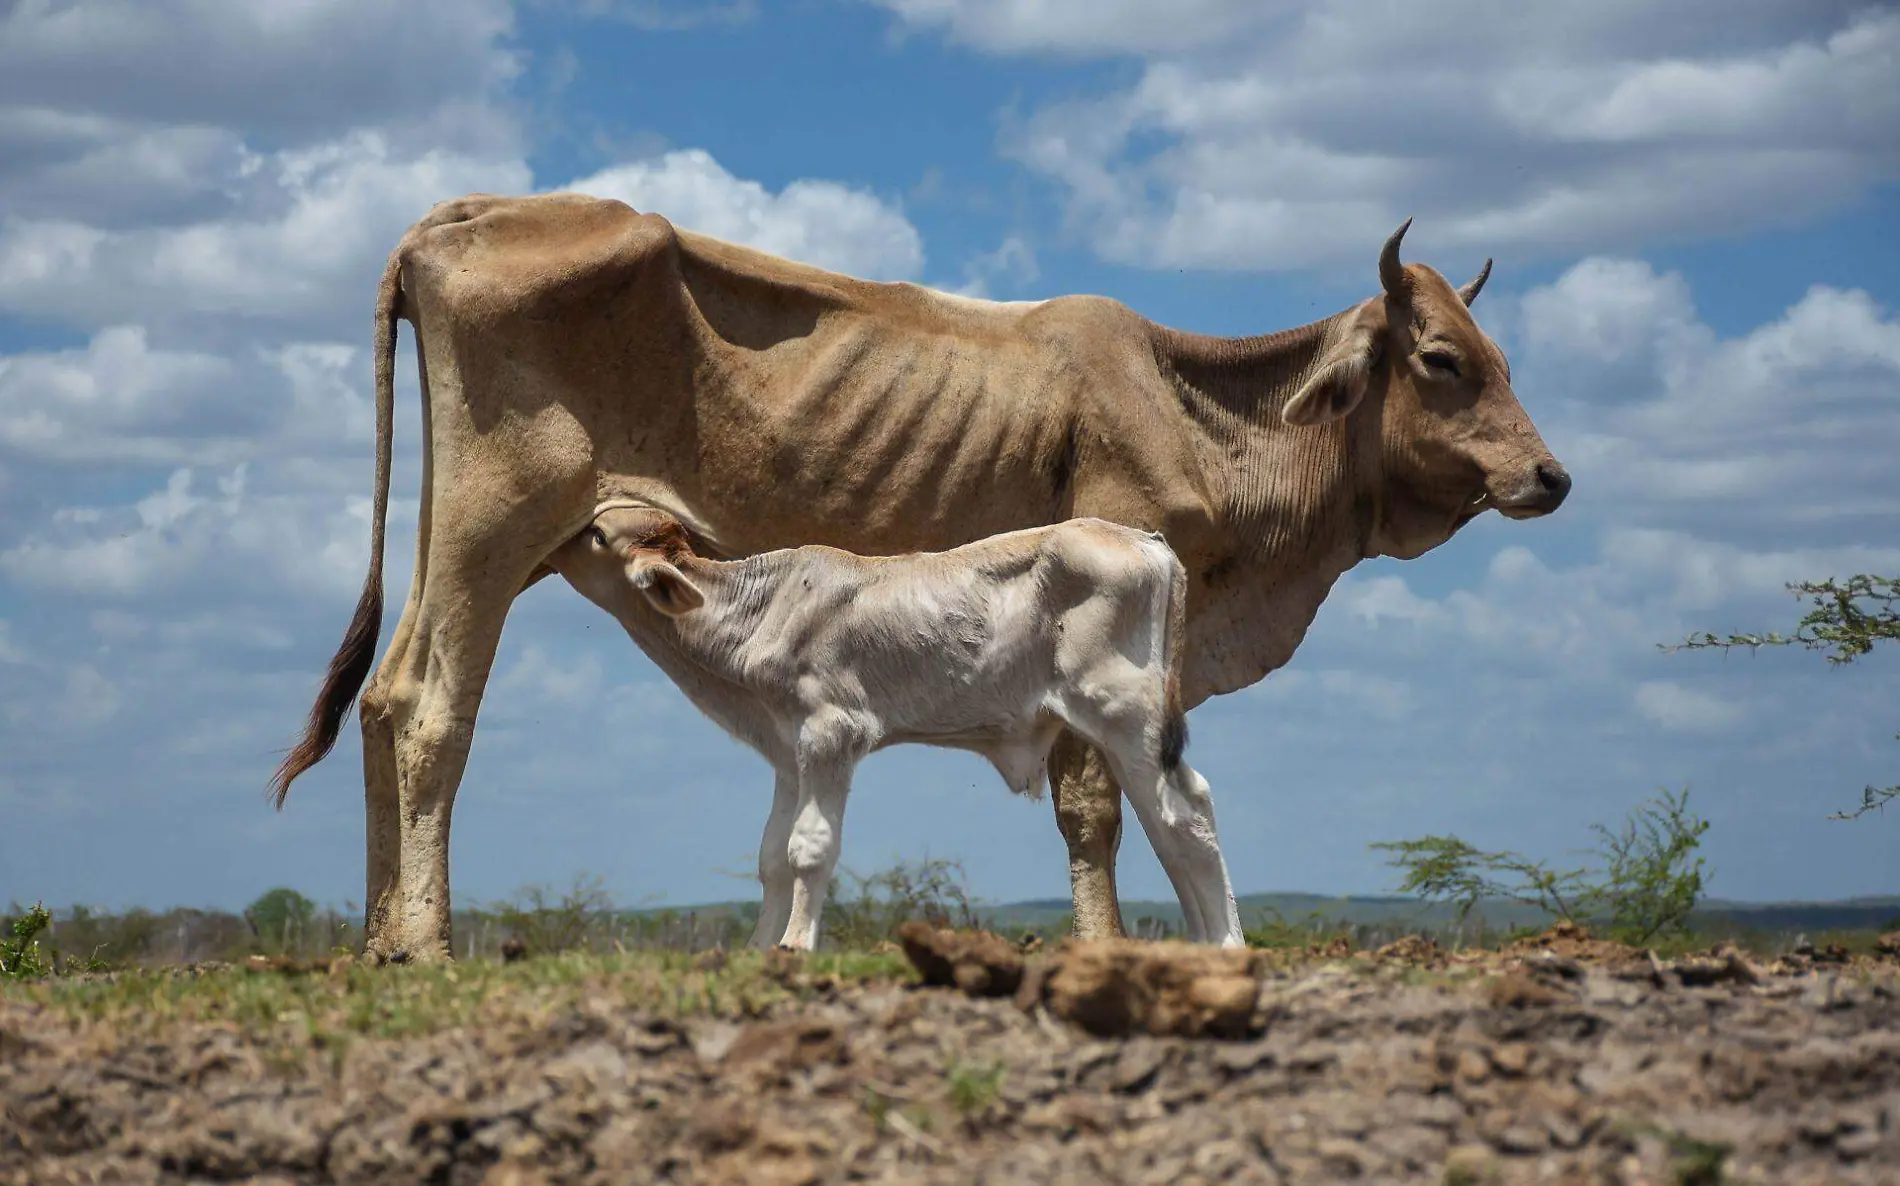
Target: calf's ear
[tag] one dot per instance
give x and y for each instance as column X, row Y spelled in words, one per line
column 1339, row 379
column 665, row 587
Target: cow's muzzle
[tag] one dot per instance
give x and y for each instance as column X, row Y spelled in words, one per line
column 1542, row 490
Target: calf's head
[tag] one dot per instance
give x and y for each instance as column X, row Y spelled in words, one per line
column 1453, row 441
column 629, row 555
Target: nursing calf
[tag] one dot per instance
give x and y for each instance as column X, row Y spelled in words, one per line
column 817, row 657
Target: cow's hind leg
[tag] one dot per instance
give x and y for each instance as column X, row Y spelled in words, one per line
column 431, row 706
column 1089, row 813
column 381, row 814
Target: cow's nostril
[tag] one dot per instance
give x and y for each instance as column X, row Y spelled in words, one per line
column 1554, row 480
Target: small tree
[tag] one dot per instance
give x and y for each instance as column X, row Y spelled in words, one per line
column 1849, row 616
column 280, row 919
column 1650, row 881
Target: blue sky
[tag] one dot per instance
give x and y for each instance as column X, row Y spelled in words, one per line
column 1692, row 209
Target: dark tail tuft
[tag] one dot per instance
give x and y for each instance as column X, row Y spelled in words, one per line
column 349, row 667
column 1174, row 739
column 1174, row 730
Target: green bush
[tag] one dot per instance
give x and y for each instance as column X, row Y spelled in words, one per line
column 1649, row 879
column 932, row 891
column 20, row 955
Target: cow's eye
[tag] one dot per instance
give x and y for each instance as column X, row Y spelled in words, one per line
column 598, row 536
column 1439, row 360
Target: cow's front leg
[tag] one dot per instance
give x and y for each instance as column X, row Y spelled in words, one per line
column 1089, row 813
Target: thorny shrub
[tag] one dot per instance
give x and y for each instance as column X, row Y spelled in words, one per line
column 1649, row 879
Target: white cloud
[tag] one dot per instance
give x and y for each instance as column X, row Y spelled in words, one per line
column 1084, row 26
column 659, row 15
column 183, row 538
column 1682, row 709
column 817, row 222
column 297, row 70
column 323, row 220
column 1263, row 136
column 1771, row 435
column 1012, row 265
column 117, row 399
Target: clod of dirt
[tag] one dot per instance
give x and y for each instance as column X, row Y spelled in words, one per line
column 1573, row 941
column 1724, row 967
column 1412, row 949
column 1114, row 987
column 1514, row 990
column 978, row 962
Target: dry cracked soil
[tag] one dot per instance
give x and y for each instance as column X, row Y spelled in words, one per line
column 1562, row 1060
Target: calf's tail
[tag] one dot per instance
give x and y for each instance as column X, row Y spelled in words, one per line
column 349, row 667
column 1174, row 730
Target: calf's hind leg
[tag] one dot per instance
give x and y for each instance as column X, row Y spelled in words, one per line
column 1174, row 806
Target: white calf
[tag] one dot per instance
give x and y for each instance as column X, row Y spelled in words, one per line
column 816, row 657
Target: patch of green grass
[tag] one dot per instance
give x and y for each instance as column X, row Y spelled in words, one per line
column 1697, row 1163
column 974, row 1087
column 401, row 1001
column 1274, row 931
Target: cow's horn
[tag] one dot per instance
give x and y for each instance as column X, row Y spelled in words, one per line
column 1391, row 274
column 1469, row 292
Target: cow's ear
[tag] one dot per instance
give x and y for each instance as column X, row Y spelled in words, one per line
column 1339, row 379
column 667, row 588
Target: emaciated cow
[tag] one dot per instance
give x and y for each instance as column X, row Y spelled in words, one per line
column 817, row 658
column 573, row 351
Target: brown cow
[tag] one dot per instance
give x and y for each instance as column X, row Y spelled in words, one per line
column 574, row 351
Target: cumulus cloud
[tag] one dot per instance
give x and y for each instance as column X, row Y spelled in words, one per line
column 323, row 220
column 1012, row 265
column 1264, row 136
column 660, row 16
column 1679, row 708
column 117, row 399
column 192, row 537
column 1774, row 435
column 304, row 71
column 817, row 222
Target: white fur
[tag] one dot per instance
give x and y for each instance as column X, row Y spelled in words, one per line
column 817, row 658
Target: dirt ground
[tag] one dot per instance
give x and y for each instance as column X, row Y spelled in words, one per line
column 1564, row 1060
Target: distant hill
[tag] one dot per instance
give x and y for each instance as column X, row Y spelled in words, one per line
column 1298, row 908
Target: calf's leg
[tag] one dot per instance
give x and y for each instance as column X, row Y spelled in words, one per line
column 1177, row 813
column 1089, row 813
column 775, row 867
column 824, row 782
column 1122, row 712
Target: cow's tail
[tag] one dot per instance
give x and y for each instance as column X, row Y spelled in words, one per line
column 1174, row 730
column 349, row 667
